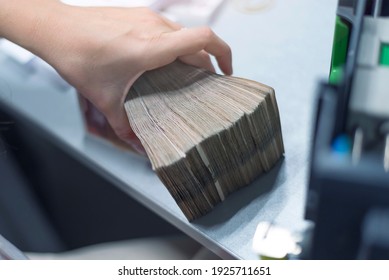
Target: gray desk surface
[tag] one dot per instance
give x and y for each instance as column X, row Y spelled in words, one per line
column 287, row 47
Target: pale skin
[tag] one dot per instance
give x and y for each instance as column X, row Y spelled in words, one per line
column 102, row 51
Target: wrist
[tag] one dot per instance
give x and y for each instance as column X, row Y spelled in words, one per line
column 27, row 22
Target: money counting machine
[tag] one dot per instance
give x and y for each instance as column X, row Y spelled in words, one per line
column 348, row 196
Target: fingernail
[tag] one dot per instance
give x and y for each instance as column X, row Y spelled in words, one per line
column 139, row 149
column 231, row 71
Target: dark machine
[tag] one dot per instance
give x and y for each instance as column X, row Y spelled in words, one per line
column 348, row 196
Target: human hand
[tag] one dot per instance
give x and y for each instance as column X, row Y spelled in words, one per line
column 102, row 51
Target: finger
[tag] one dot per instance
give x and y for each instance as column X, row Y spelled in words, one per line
column 200, row 59
column 121, row 126
column 189, row 41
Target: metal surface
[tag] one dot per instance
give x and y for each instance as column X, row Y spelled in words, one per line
column 287, row 46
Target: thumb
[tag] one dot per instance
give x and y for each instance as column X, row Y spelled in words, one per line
column 121, row 126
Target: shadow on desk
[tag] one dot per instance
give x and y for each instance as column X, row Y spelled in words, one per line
column 257, row 191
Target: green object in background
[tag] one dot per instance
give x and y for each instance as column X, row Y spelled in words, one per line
column 336, row 75
column 384, row 56
column 339, row 50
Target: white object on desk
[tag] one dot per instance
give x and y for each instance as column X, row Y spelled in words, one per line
column 186, row 12
column 271, row 241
